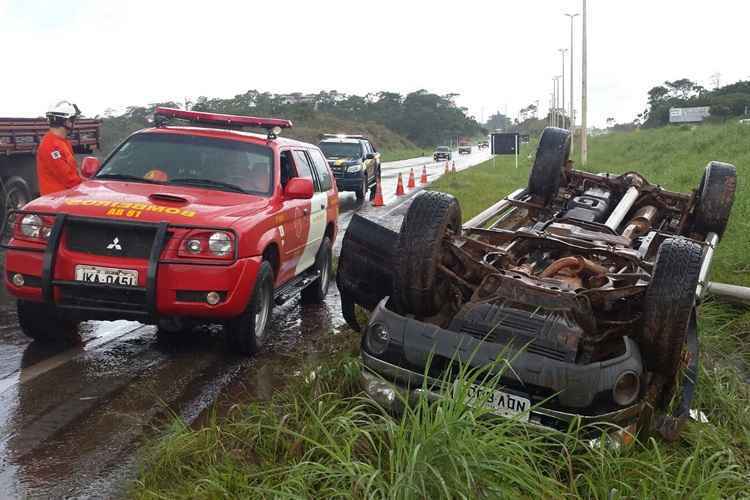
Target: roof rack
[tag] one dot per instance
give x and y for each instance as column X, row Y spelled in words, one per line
column 273, row 126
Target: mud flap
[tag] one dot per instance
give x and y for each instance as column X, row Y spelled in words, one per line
column 366, row 266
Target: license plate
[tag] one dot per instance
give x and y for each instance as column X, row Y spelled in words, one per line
column 107, row 276
column 499, row 402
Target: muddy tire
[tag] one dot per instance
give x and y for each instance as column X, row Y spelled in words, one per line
column 316, row 293
column 668, row 306
column 546, row 173
column 42, row 323
column 374, row 188
column 247, row 333
column 715, row 198
column 430, row 218
column 362, row 189
column 16, row 195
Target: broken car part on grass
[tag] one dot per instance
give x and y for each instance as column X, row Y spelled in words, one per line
column 587, row 283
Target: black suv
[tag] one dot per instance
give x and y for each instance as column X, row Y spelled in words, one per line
column 355, row 163
column 442, row 153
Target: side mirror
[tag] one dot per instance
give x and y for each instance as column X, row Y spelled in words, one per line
column 299, row 188
column 89, row 167
column 370, row 156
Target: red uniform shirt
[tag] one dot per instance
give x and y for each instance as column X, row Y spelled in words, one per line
column 56, row 166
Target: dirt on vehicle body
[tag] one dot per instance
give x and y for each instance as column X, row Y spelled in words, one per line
column 587, row 284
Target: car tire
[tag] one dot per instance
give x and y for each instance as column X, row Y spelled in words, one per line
column 668, row 305
column 42, row 323
column 374, row 188
column 715, row 198
column 546, row 173
column 247, row 333
column 431, row 216
column 16, row 194
column 362, row 189
column 316, row 292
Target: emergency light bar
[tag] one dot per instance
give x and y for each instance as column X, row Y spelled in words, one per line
column 343, row 136
column 272, row 125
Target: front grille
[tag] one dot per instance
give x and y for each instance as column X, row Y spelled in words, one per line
column 113, row 240
column 103, row 297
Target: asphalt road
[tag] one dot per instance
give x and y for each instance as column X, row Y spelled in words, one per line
column 73, row 418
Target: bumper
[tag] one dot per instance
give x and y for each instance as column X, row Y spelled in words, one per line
column 166, row 287
column 348, row 182
column 564, row 386
column 441, row 157
column 391, row 386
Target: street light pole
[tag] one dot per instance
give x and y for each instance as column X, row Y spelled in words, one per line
column 563, row 52
column 572, row 113
column 584, row 92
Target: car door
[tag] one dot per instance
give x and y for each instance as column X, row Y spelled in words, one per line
column 369, row 163
column 294, row 218
column 315, row 213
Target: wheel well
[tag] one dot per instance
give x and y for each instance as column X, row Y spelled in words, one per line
column 271, row 254
column 329, row 231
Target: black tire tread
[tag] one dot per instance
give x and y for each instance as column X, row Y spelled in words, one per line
column 425, row 225
column 313, row 294
column 240, row 331
column 42, row 323
column 552, row 153
column 717, row 190
column 668, row 305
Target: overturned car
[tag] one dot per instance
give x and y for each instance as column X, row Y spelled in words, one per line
column 586, row 283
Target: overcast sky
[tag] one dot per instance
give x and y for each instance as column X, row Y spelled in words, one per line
column 499, row 55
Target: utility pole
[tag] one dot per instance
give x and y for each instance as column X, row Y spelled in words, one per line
column 584, row 92
column 572, row 113
column 563, row 52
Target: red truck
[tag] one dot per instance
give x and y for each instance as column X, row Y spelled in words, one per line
column 19, row 139
column 180, row 225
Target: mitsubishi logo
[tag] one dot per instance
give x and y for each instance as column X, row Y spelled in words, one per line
column 115, row 245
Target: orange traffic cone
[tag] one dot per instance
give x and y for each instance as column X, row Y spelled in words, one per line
column 447, row 167
column 400, row 186
column 410, row 183
column 453, row 167
column 378, row 200
column 423, row 179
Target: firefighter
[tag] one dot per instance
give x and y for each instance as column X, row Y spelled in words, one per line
column 56, row 167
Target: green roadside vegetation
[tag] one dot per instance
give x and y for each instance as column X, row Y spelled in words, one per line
column 320, row 438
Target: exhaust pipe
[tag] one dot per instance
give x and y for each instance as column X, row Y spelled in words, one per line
column 622, row 208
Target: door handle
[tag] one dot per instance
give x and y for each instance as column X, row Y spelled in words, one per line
column 305, row 211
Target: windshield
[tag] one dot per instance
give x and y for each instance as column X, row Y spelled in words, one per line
column 341, row 149
column 191, row 160
column 443, row 148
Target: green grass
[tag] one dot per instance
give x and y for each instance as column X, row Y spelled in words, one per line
column 320, row 438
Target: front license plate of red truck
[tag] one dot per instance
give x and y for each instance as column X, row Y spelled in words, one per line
column 107, row 276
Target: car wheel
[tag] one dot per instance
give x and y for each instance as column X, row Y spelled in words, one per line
column 316, row 293
column 668, row 306
column 247, row 333
column 362, row 189
column 430, row 218
column 715, row 198
column 42, row 323
column 17, row 194
column 546, row 173
column 374, row 188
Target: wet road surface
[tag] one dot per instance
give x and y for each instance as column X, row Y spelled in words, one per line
column 72, row 418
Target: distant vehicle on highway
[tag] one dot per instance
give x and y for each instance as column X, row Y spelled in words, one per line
column 464, row 149
column 483, row 145
column 355, row 163
column 745, row 121
column 181, row 225
column 442, row 153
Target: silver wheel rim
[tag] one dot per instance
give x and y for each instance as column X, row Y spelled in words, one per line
column 261, row 312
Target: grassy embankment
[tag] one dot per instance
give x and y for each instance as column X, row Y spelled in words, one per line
column 320, row 439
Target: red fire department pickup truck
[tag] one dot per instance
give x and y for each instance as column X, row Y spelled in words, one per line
column 179, row 225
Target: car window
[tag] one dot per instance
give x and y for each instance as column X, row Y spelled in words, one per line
column 341, row 149
column 303, row 165
column 321, row 168
column 210, row 162
column 287, row 167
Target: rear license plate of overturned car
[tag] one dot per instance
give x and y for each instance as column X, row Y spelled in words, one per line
column 499, row 402
column 107, row 276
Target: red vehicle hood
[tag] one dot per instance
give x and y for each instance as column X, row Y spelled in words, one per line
column 151, row 203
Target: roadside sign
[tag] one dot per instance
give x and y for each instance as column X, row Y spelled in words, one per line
column 689, row 115
column 505, row 144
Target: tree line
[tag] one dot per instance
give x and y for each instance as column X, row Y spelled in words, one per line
column 424, row 118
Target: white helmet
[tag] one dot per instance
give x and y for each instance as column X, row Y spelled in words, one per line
column 61, row 112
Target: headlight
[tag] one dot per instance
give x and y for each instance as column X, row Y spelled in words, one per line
column 220, row 244
column 377, row 338
column 354, row 168
column 31, row 226
column 194, row 246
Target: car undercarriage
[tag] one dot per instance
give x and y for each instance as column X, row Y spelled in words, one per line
column 587, row 283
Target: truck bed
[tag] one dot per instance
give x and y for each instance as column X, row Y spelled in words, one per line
column 23, row 135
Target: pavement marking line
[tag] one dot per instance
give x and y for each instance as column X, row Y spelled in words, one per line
column 33, row 371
